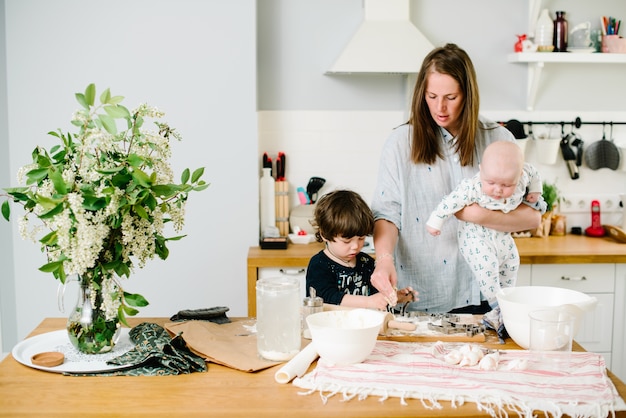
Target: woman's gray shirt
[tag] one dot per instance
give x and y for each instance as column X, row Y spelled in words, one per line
column 406, row 194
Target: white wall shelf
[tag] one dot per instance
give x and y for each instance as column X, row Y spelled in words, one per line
column 537, row 60
column 567, row 57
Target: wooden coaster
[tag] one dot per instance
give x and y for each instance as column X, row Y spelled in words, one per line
column 48, row 359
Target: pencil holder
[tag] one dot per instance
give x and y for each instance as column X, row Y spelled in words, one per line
column 613, row 44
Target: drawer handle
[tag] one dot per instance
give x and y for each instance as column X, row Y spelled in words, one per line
column 292, row 272
column 575, row 278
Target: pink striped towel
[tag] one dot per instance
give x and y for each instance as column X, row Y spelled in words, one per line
column 418, row 371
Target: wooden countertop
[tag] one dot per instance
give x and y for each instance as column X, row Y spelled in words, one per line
column 569, row 249
column 220, row 392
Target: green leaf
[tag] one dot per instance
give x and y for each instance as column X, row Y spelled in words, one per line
column 116, row 100
column 117, row 111
column 105, row 96
column 94, row 203
column 51, row 267
column 49, row 239
column 122, row 316
column 135, row 299
column 18, row 195
column 141, row 178
column 47, row 202
column 165, row 190
column 197, row 174
column 176, row 238
column 139, row 210
column 108, row 123
column 80, row 98
column 43, row 161
column 6, row 210
column 201, row 187
column 52, row 212
column 161, row 248
column 90, row 94
column 36, row 175
column 129, row 311
column 135, row 160
column 110, row 170
column 184, row 178
column 57, row 180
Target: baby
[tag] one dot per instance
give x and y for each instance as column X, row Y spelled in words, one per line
column 503, row 182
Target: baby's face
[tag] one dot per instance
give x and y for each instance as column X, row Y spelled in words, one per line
column 498, row 184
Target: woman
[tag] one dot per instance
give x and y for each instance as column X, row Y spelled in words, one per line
column 422, row 161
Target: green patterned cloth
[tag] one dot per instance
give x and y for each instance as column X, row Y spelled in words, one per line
column 155, row 354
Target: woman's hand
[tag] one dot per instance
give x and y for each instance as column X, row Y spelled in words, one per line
column 407, row 295
column 385, row 279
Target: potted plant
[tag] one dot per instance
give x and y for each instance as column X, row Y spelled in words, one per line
column 551, row 196
column 104, row 193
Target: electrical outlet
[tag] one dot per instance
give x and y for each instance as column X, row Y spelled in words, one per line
column 582, row 203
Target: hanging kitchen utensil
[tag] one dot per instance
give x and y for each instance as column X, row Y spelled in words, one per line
column 578, row 143
column 516, row 128
column 314, row 186
column 569, row 157
column 602, row 153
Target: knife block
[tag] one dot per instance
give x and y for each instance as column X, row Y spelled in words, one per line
column 282, row 207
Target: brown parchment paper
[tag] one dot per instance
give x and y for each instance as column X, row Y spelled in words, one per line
column 231, row 344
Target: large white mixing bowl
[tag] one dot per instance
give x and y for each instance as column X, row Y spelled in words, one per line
column 345, row 336
column 517, row 302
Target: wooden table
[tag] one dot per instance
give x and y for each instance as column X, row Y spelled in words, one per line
column 221, row 392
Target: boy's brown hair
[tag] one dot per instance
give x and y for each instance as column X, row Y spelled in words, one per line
column 342, row 213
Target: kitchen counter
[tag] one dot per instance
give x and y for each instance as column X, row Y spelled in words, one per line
column 568, row 249
column 221, row 391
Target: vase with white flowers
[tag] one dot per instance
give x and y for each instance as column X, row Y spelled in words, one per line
column 98, row 204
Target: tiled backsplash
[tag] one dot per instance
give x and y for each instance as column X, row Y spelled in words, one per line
column 344, row 148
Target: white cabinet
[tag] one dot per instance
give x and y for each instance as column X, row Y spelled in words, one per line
column 297, row 272
column 597, row 280
column 618, row 364
column 523, row 275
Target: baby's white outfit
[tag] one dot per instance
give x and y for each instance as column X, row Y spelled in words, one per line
column 492, row 255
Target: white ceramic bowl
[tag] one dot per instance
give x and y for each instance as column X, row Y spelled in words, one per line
column 517, row 302
column 301, row 239
column 345, row 337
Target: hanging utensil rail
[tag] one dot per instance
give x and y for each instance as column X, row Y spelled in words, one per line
column 575, row 123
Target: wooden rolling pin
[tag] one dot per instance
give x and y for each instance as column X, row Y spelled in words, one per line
column 388, row 323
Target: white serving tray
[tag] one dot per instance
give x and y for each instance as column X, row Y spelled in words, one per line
column 75, row 362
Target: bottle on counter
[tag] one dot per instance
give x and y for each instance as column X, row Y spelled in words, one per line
column 267, row 209
column 312, row 304
column 560, row 32
column 544, row 32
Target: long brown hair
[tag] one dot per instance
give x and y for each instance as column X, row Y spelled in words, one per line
column 425, row 146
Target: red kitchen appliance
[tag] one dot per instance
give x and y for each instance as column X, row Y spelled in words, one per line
column 596, row 229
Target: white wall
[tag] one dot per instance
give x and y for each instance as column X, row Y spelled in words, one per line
column 343, row 147
column 194, row 59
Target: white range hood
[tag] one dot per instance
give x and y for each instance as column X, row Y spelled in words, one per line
column 386, row 42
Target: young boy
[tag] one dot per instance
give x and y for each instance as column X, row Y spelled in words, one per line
column 503, row 182
column 340, row 273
